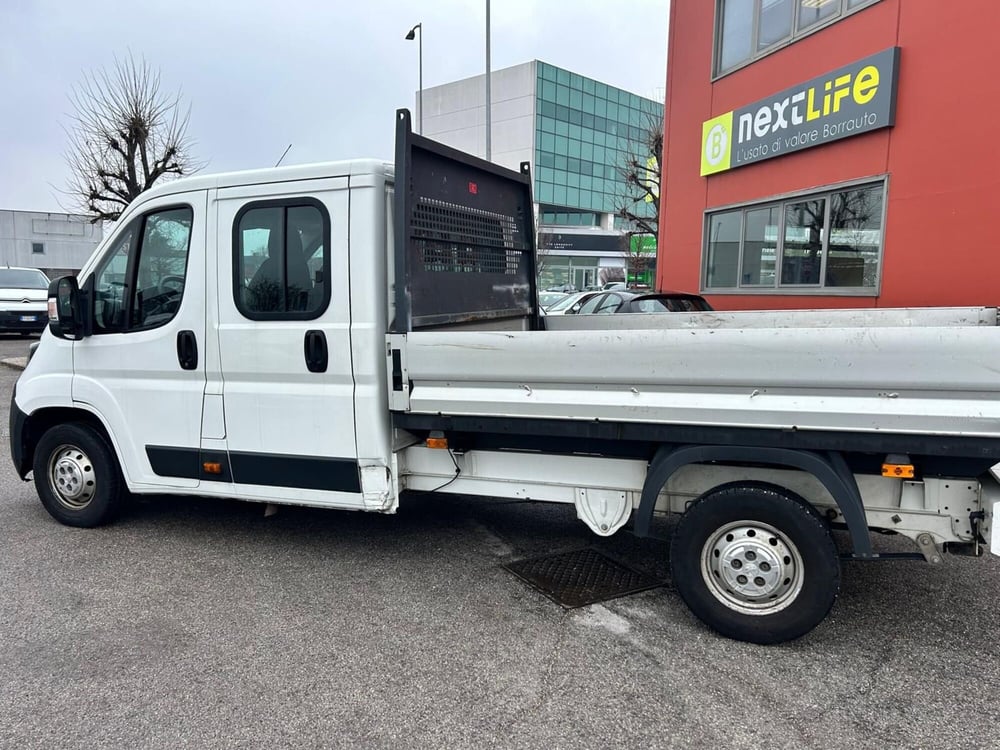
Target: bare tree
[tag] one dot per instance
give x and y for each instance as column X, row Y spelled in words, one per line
column 543, row 253
column 125, row 135
column 638, row 198
column 639, row 257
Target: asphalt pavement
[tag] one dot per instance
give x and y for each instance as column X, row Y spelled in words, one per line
column 202, row 624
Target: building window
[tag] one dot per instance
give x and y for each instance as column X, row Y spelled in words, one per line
column 582, row 140
column 749, row 29
column 38, row 248
column 828, row 241
column 774, row 22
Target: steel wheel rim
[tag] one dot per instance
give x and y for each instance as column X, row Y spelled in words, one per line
column 752, row 568
column 72, row 477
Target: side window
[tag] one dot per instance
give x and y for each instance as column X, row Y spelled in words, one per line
column 653, row 305
column 162, row 267
column 591, row 304
column 281, row 262
column 610, row 305
column 140, row 285
column 110, row 285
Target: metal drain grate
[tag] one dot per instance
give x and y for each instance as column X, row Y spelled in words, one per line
column 582, row 577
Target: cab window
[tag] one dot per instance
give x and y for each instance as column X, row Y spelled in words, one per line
column 281, row 260
column 140, row 283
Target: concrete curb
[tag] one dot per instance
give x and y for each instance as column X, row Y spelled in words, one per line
column 15, row 363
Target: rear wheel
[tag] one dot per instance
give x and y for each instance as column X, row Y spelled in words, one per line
column 77, row 476
column 755, row 562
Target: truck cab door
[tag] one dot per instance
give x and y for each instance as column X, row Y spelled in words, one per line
column 142, row 371
column 284, row 342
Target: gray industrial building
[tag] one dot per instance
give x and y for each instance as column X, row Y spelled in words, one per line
column 57, row 244
column 575, row 132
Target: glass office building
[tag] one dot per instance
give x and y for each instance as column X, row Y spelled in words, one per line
column 576, row 133
column 584, row 133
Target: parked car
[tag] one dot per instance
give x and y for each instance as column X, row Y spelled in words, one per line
column 570, row 304
column 666, row 302
column 24, row 294
column 613, row 285
column 628, row 302
column 547, row 299
column 564, row 288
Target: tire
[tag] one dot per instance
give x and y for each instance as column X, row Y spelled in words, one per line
column 755, row 562
column 77, row 476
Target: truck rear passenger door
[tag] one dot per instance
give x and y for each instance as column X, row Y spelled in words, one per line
column 284, row 341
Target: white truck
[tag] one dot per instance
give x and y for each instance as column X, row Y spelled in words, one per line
column 206, row 350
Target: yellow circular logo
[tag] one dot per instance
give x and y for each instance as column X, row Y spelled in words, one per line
column 716, row 144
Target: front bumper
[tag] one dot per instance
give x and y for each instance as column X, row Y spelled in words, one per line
column 17, row 448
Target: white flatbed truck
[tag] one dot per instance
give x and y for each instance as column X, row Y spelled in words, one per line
column 206, row 350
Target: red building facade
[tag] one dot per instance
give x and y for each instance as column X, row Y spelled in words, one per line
column 832, row 153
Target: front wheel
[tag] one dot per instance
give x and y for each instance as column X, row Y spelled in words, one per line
column 755, row 562
column 77, row 476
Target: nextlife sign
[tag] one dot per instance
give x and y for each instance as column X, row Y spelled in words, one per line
column 855, row 99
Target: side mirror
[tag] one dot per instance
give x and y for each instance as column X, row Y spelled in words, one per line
column 65, row 313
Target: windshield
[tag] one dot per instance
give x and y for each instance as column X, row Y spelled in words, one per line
column 23, row 278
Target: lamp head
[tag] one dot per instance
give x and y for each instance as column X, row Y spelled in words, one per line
column 412, row 33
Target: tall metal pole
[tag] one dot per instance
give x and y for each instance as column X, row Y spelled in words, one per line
column 489, row 103
column 420, row 79
column 420, row 67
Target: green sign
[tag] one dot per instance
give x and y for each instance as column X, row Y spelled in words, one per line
column 642, row 243
column 851, row 100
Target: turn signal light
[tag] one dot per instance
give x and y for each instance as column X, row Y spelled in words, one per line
column 898, row 471
column 437, row 440
column 212, row 468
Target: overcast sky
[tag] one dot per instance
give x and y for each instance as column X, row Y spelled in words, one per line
column 324, row 76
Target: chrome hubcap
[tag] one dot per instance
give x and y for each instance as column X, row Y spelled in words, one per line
column 751, row 567
column 71, row 476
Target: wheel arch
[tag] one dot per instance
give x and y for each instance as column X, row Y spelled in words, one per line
column 38, row 422
column 830, row 469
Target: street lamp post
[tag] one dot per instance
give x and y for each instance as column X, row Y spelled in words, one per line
column 489, row 126
column 420, row 67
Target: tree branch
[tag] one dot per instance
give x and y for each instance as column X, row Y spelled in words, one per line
column 638, row 202
column 124, row 135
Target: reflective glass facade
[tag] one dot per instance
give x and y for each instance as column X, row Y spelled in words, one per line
column 583, row 132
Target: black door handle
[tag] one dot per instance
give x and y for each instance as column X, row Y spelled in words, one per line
column 187, row 350
column 317, row 357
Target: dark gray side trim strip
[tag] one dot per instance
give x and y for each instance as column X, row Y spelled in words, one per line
column 303, row 472
column 175, row 462
column 262, row 469
column 582, row 431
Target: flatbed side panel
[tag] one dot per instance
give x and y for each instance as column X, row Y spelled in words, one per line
column 929, row 381
column 906, row 317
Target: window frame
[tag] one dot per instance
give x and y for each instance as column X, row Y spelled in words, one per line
column 237, row 255
column 138, row 226
column 796, row 33
column 780, row 201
